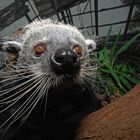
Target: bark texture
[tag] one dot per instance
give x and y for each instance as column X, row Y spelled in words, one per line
column 119, row 120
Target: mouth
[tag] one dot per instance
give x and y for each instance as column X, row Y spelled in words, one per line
column 65, row 82
column 68, row 81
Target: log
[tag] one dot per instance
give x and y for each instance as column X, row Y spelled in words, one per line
column 60, row 5
column 119, row 120
column 44, row 7
column 12, row 13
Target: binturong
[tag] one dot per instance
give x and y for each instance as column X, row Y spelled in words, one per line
column 50, row 88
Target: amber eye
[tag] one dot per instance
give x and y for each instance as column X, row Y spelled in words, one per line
column 39, row 49
column 78, row 50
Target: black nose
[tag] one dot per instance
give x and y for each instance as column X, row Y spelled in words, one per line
column 65, row 61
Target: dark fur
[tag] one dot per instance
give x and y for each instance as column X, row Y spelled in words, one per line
column 65, row 109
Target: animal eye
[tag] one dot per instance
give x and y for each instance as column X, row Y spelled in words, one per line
column 78, row 50
column 39, row 49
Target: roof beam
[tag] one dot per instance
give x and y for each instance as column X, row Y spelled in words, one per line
column 129, row 15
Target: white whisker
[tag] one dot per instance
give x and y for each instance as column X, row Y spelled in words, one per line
column 5, row 91
column 16, row 94
column 21, row 96
column 22, row 107
column 45, row 94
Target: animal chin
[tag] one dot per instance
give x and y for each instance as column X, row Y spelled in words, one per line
column 65, row 85
column 65, row 82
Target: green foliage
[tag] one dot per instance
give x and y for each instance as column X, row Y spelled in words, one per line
column 114, row 74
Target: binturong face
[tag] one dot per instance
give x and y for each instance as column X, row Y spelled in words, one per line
column 57, row 51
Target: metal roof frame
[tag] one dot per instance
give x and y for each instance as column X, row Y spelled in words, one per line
column 96, row 11
column 66, row 15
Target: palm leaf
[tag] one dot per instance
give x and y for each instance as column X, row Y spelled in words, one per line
column 114, row 48
column 127, row 45
column 107, row 37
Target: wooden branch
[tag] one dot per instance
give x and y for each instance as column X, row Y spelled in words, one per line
column 12, row 13
column 44, row 7
column 119, row 120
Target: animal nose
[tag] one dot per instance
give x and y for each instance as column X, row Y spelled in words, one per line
column 65, row 61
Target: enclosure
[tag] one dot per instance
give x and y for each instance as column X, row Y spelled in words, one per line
column 115, row 27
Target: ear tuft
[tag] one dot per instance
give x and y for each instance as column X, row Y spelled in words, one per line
column 91, row 45
column 9, row 45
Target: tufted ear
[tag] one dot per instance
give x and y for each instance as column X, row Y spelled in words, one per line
column 10, row 45
column 9, row 50
column 91, row 45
